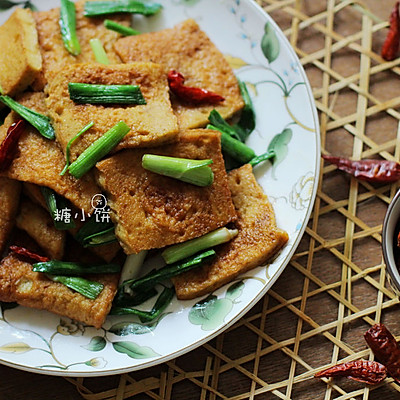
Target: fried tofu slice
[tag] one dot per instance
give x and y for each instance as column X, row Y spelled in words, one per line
column 18, row 283
column 38, row 224
column 187, row 49
column 153, row 211
column 20, row 58
column 258, row 240
column 55, row 56
column 40, row 160
column 151, row 124
column 9, row 201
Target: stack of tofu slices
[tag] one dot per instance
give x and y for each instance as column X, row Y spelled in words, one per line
column 149, row 211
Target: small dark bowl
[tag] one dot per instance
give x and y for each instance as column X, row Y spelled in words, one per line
column 389, row 232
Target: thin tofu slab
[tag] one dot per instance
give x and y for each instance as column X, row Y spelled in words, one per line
column 18, row 283
column 40, row 160
column 259, row 240
column 54, row 53
column 38, row 224
column 188, row 50
column 151, row 124
column 20, row 58
column 153, row 211
column 9, row 200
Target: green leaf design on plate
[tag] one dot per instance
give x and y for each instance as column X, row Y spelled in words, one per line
column 270, row 43
column 210, row 312
column 235, row 290
column 279, row 145
column 18, row 347
column 133, row 350
column 97, row 343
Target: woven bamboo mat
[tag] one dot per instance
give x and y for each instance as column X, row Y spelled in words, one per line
column 335, row 286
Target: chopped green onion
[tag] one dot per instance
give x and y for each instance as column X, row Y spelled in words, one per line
column 98, row 149
column 99, row 52
column 85, row 93
column 100, row 238
column 96, row 8
column 89, row 289
column 221, row 125
column 154, row 277
column 247, row 121
column 263, row 157
column 55, row 267
column 122, row 29
column 55, row 205
column 123, row 299
column 183, row 250
column 91, row 228
column 132, row 265
column 196, row 172
column 68, row 149
column 68, row 27
column 39, row 121
column 235, row 148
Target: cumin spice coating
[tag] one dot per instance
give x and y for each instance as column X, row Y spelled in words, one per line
column 153, row 211
column 40, row 160
column 18, row 283
column 188, row 50
column 9, row 201
column 258, row 240
column 151, row 124
column 20, row 58
column 54, row 54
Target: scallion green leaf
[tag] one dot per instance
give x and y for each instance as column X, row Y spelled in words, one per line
column 84, row 93
column 196, row 172
column 89, row 289
column 99, row 52
column 122, row 29
column 247, row 121
column 96, row 8
column 55, row 267
column 98, row 149
column 101, row 238
column 91, row 228
column 68, row 27
column 39, row 121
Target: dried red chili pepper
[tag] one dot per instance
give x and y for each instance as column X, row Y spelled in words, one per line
column 22, row 251
column 370, row 372
column 382, row 171
column 9, row 145
column 191, row 94
column 390, row 48
column 385, row 348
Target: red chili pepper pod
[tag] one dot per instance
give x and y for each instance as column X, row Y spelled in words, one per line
column 9, row 145
column 191, row 94
column 370, row 372
column 390, row 48
column 22, row 251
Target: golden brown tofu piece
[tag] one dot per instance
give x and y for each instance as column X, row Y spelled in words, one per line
column 18, row 283
column 40, row 160
column 34, row 193
column 9, row 202
column 39, row 225
column 54, row 53
column 151, row 124
column 258, row 240
column 153, row 211
column 187, row 49
column 20, row 58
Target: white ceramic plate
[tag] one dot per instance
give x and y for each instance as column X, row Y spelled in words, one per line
column 41, row 342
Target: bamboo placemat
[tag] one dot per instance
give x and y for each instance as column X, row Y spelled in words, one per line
column 335, row 286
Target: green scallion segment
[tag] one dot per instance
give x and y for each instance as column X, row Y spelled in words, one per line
column 263, row 157
column 98, row 149
column 123, row 299
column 183, row 250
column 99, row 52
column 122, row 29
column 196, row 172
column 39, row 121
column 68, row 27
column 234, row 147
column 100, row 238
column 84, row 93
column 154, row 277
column 56, row 204
column 68, row 149
column 55, row 267
column 247, row 121
column 91, row 228
column 96, row 8
column 219, row 123
column 89, row 289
